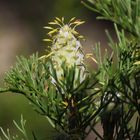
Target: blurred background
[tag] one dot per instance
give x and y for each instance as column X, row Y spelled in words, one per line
column 21, row 33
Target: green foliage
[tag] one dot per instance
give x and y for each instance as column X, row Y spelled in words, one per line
column 125, row 13
column 60, row 88
column 21, row 129
column 119, row 78
column 120, row 72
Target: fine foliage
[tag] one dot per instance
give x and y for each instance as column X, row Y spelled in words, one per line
column 74, row 100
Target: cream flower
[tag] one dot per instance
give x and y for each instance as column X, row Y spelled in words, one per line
column 66, row 48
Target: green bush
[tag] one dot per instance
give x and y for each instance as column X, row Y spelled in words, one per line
column 74, row 100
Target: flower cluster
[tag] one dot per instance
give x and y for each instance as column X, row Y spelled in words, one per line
column 66, row 47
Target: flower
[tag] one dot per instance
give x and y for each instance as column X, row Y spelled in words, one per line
column 66, row 47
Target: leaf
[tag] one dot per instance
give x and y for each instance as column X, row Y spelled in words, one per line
column 5, row 135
